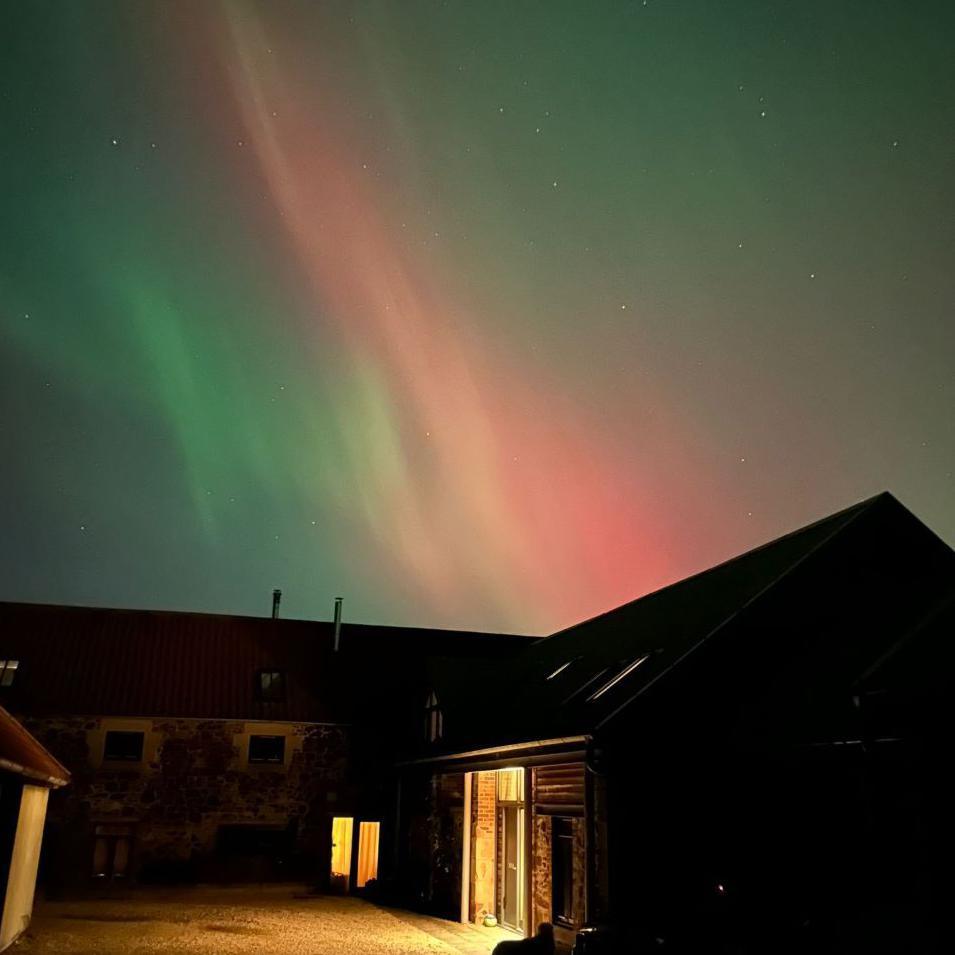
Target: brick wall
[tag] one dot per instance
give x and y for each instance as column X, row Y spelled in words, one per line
column 484, row 872
column 194, row 778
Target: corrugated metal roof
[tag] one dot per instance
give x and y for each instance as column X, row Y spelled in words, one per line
column 22, row 755
column 79, row 660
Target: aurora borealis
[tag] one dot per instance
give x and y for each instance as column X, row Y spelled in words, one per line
column 482, row 315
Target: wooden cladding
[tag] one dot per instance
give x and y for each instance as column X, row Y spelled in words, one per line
column 559, row 790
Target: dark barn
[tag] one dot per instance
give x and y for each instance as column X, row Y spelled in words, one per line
column 748, row 758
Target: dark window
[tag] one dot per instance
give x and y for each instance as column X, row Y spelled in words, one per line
column 123, row 746
column 8, row 670
column 433, row 719
column 270, row 685
column 562, row 862
column 266, row 749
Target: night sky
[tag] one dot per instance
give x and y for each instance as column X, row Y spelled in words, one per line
column 479, row 314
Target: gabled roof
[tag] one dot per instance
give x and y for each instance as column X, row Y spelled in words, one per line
column 93, row 661
column 579, row 679
column 23, row 756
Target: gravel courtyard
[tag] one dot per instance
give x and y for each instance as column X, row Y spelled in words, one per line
column 270, row 920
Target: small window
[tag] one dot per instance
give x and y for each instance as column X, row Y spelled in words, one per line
column 434, row 719
column 562, row 870
column 270, row 685
column 123, row 746
column 266, row 749
column 8, row 670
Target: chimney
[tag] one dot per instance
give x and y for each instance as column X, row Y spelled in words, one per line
column 338, row 623
column 276, row 600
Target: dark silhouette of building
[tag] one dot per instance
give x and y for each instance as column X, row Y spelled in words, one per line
column 754, row 758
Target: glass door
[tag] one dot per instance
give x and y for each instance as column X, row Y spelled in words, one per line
column 342, row 828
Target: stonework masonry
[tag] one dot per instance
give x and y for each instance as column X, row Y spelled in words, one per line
column 194, row 779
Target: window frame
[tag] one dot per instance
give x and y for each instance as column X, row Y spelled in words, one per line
column 264, row 761
column 270, row 695
column 433, row 718
column 125, row 759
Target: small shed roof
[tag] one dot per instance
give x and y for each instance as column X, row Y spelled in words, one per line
column 23, row 756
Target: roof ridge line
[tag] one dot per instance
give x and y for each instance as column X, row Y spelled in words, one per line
column 859, row 506
column 863, row 508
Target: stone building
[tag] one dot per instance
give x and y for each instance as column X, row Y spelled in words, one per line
column 755, row 757
column 210, row 748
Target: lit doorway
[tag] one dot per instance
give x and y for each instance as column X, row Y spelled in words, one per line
column 368, row 834
column 346, row 856
column 342, row 828
column 494, row 869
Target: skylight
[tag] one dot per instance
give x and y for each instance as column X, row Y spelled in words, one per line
column 622, row 675
column 559, row 670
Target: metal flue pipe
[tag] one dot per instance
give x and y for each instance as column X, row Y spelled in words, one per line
column 338, row 622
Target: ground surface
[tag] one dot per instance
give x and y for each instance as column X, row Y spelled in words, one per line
column 270, row 920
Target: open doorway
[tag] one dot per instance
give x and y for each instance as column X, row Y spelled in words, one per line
column 348, row 857
column 494, row 880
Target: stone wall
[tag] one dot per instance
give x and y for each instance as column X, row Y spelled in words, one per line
column 194, row 778
column 541, row 860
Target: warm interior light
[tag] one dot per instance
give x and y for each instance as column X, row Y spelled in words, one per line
column 342, row 827
column 510, row 784
column 368, row 833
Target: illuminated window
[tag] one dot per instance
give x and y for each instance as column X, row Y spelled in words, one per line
column 122, row 746
column 621, row 675
column 434, row 719
column 510, row 785
column 266, row 749
column 270, row 685
column 8, row 670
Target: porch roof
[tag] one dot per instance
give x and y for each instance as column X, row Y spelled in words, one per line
column 23, row 756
